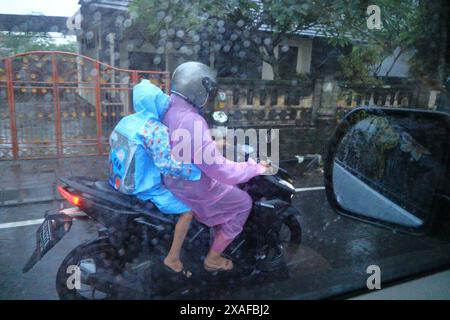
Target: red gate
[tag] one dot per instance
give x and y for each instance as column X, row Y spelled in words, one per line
column 59, row 104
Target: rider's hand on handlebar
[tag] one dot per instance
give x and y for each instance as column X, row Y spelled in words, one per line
column 264, row 163
column 267, row 168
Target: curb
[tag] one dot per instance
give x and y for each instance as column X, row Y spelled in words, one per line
column 29, row 195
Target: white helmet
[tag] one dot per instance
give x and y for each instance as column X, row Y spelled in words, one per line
column 194, row 82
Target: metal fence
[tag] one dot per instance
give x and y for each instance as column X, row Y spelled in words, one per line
column 59, row 104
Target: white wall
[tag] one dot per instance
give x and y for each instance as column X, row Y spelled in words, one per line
column 303, row 64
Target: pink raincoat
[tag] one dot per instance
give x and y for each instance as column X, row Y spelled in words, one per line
column 214, row 199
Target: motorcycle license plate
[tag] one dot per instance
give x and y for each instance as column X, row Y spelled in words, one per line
column 49, row 233
column 45, row 236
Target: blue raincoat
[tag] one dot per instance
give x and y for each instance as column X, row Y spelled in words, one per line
column 140, row 152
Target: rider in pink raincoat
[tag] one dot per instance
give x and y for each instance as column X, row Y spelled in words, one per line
column 214, row 199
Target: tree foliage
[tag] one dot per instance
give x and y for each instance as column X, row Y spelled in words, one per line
column 16, row 42
column 415, row 26
column 245, row 29
column 238, row 28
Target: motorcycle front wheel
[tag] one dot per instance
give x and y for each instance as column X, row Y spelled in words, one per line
column 72, row 280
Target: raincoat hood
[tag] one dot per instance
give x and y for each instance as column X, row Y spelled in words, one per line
column 132, row 169
column 149, row 99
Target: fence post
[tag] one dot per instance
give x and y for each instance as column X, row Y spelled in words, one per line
column 12, row 108
column 57, row 103
column 167, row 83
column 328, row 98
column 316, row 99
column 134, row 77
column 98, row 109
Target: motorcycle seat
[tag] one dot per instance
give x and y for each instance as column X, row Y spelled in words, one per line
column 102, row 190
column 148, row 206
column 104, row 186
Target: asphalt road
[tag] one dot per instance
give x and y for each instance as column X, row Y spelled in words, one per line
column 334, row 254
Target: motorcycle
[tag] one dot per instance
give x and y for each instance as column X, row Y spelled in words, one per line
column 126, row 259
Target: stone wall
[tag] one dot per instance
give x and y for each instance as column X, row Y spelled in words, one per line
column 306, row 112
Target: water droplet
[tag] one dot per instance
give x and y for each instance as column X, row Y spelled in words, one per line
column 134, row 15
column 168, row 19
column 183, row 49
column 267, row 41
column 127, row 23
column 160, row 15
column 196, row 38
column 119, row 20
column 97, row 16
column 180, row 33
column 89, row 35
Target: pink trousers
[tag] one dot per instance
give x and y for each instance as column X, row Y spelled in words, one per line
column 225, row 233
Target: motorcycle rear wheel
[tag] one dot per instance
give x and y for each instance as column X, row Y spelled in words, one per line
column 89, row 255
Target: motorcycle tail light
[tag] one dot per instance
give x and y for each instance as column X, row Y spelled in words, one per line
column 73, row 199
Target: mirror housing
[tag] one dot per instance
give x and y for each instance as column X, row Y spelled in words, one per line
column 389, row 167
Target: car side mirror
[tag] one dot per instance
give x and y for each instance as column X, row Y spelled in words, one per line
column 389, row 167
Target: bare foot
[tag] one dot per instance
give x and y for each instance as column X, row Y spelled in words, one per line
column 217, row 263
column 174, row 264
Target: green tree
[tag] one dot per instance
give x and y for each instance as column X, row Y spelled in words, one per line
column 258, row 26
column 248, row 28
column 415, row 26
column 430, row 40
column 262, row 26
column 171, row 23
column 15, row 42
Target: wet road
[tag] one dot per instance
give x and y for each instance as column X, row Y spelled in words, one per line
column 331, row 246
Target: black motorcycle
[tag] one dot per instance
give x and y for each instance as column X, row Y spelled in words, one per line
column 126, row 260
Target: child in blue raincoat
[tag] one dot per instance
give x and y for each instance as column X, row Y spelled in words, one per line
column 141, row 152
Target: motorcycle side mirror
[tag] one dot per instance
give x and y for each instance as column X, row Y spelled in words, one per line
column 389, row 167
column 220, row 117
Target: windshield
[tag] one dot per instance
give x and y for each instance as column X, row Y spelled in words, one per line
column 282, row 74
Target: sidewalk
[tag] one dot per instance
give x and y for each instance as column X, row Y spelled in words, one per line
column 28, row 181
